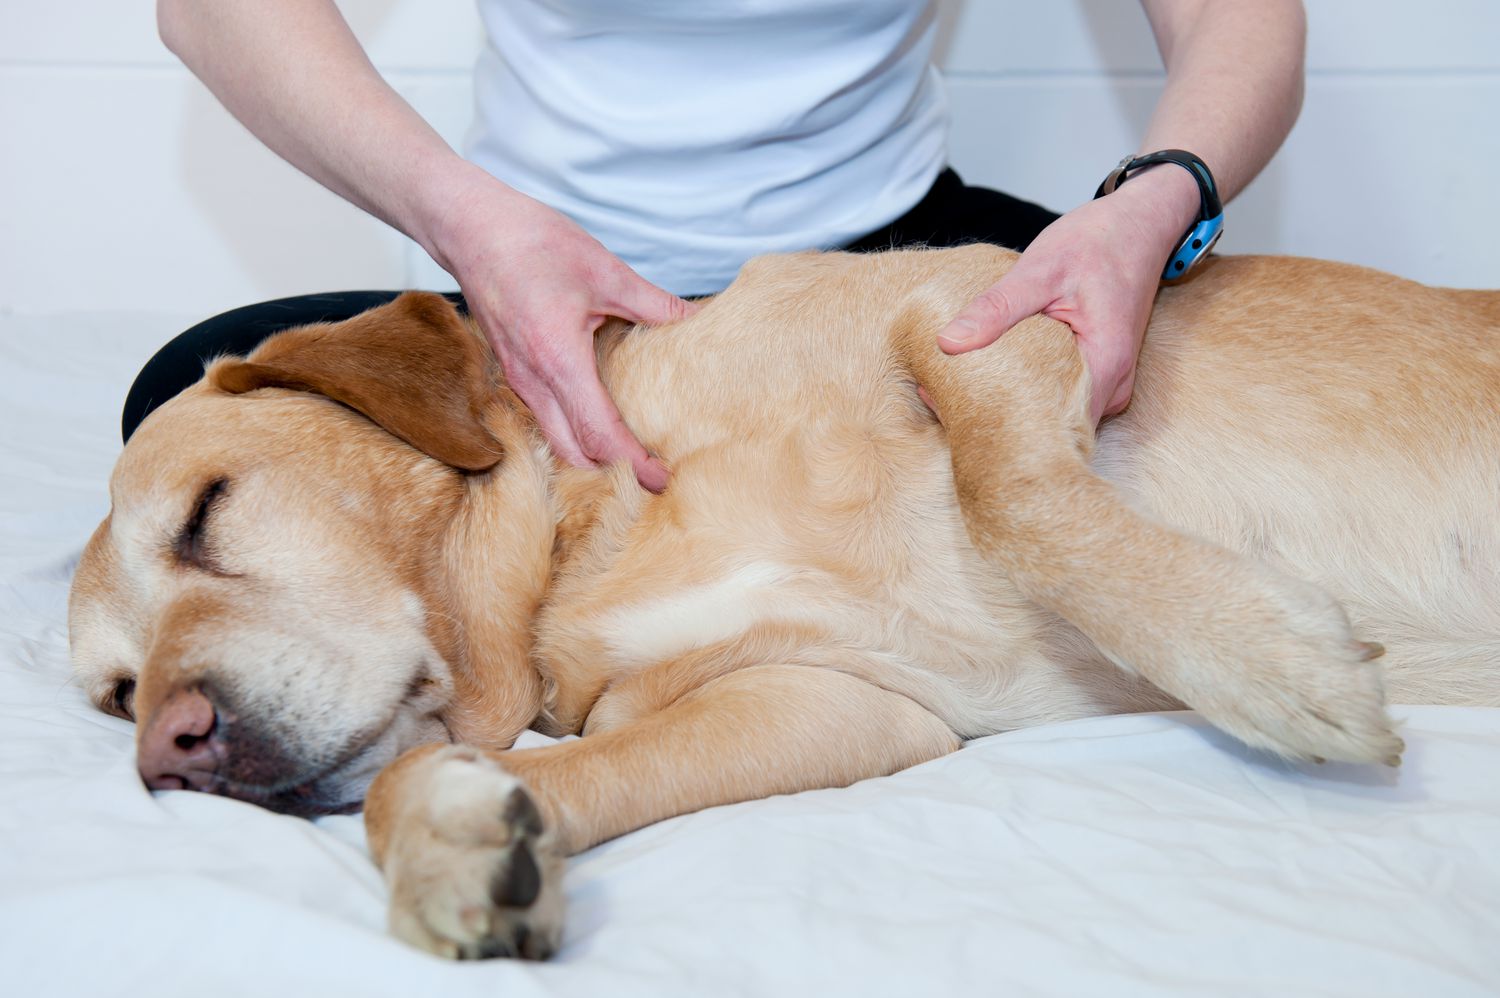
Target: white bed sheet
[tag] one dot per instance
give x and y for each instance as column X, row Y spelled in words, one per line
column 1117, row 856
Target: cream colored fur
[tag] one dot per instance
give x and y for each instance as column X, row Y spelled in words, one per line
column 837, row 584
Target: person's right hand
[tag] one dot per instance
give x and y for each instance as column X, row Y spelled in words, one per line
column 540, row 287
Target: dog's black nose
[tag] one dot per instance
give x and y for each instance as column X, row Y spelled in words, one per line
column 180, row 747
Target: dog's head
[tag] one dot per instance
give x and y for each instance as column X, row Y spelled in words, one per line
column 271, row 596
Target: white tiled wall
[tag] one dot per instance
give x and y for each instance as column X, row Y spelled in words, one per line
column 124, row 186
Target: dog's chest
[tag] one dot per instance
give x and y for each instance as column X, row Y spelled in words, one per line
column 841, row 546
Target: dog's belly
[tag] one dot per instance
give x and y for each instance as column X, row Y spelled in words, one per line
column 1353, row 442
column 1411, row 551
column 875, row 575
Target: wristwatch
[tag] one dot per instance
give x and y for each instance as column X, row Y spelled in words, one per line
column 1198, row 239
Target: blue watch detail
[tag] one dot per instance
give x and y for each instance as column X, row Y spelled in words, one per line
column 1204, row 233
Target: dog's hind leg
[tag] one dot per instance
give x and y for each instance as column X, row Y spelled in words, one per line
column 472, row 843
column 1266, row 657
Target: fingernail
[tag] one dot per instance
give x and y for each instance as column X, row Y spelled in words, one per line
column 957, row 336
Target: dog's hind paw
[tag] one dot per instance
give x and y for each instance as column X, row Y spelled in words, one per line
column 477, row 875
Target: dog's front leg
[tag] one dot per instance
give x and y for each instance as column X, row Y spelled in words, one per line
column 1266, row 657
column 472, row 843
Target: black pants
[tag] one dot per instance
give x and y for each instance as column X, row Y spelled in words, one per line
column 951, row 214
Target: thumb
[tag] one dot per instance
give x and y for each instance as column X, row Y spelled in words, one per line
column 1000, row 306
column 641, row 301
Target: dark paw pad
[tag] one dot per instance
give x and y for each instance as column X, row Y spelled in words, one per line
column 518, row 881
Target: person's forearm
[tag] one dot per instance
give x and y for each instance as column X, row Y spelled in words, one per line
column 1234, row 82
column 1234, row 87
column 293, row 73
column 538, row 285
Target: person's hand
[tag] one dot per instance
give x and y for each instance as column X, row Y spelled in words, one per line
column 1097, row 269
column 540, row 287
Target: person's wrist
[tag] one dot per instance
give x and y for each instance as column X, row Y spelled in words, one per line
column 446, row 204
column 1164, row 201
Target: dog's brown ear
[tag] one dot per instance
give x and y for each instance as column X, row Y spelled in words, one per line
column 411, row 366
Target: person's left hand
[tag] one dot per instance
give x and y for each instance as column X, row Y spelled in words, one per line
column 1097, row 269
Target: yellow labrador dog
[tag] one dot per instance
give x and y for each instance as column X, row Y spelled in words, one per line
column 350, row 557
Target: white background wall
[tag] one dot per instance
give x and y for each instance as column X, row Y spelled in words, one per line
column 123, row 185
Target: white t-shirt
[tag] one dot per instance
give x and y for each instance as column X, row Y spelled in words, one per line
column 690, row 135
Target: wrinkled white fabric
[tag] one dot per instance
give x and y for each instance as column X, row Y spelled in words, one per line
column 1143, row 855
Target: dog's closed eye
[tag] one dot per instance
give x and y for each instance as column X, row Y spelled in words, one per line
column 121, row 702
column 190, row 545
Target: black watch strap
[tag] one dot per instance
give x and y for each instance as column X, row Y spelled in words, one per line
column 1204, row 233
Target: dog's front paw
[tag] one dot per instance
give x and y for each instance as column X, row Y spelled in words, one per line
column 474, row 874
column 1304, row 687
